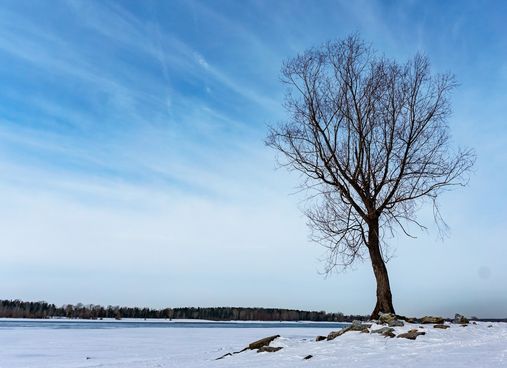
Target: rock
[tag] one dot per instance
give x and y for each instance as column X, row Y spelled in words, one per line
column 386, row 317
column 355, row 326
column 432, row 320
column 359, row 325
column 320, row 338
column 459, row 319
column 383, row 330
column 489, row 326
column 389, row 334
column 395, row 323
column 334, row 334
column 269, row 349
column 261, row 345
column 463, row 325
column 474, row 323
column 308, row 357
column 262, row 342
column 441, row 326
column 412, row 334
column 410, row 320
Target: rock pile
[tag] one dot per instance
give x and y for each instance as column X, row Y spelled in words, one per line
column 389, row 320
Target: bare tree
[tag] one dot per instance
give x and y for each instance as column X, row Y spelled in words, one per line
column 370, row 137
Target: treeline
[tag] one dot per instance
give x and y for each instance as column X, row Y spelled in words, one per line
column 21, row 309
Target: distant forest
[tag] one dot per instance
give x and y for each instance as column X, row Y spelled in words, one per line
column 21, row 309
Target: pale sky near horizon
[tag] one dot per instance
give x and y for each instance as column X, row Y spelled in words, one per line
column 133, row 169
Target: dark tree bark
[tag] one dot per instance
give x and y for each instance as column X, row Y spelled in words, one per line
column 384, row 297
column 370, row 137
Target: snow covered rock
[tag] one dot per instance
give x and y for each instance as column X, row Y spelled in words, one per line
column 355, row 326
column 386, row 317
column 396, row 323
column 432, row 320
column 269, row 349
column 459, row 319
column 262, row 342
column 334, row 334
column 411, row 334
column 441, row 326
column 391, row 319
column 385, row 331
column 261, row 346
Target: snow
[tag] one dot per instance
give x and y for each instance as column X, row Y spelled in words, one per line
column 473, row 346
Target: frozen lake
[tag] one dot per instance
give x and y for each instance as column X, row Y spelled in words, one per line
column 139, row 344
column 109, row 324
column 71, row 343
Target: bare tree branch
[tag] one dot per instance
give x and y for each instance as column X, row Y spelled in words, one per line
column 371, row 137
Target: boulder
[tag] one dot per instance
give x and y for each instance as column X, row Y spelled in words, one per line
column 410, row 320
column 383, row 330
column 320, row 338
column 262, row 342
column 459, row 319
column 359, row 325
column 261, row 346
column 412, row 334
column 389, row 334
column 355, row 326
column 441, row 326
column 334, row 334
column 432, row 320
column 269, row 349
column 386, row 317
column 395, row 323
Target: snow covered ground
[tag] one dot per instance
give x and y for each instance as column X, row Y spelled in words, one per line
column 471, row 346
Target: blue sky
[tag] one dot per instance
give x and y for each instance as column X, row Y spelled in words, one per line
column 133, row 169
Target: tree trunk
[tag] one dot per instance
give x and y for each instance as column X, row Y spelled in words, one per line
column 384, row 297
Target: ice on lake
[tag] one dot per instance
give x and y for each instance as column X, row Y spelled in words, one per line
column 36, row 345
